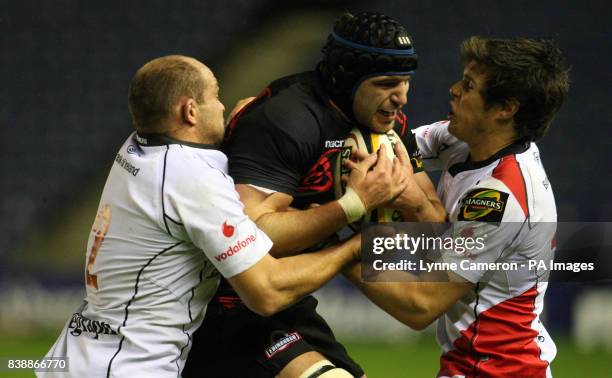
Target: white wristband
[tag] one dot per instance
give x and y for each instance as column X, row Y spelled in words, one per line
column 353, row 207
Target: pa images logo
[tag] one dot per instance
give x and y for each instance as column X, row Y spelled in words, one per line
column 483, row 205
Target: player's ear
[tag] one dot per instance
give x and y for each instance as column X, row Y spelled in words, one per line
column 189, row 111
column 508, row 109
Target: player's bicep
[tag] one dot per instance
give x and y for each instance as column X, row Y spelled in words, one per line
column 253, row 286
column 416, row 300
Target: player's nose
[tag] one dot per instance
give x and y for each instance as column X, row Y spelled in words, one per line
column 400, row 94
column 455, row 89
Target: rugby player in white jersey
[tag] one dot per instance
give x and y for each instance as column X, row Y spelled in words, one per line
column 493, row 185
column 169, row 224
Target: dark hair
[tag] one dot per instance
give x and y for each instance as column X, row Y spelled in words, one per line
column 533, row 72
column 360, row 46
column 157, row 87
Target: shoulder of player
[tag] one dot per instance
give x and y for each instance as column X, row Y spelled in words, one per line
column 525, row 176
column 196, row 168
column 509, row 198
column 295, row 116
column 293, row 108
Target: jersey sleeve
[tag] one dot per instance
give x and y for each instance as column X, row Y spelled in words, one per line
column 493, row 219
column 211, row 214
column 432, row 140
column 273, row 145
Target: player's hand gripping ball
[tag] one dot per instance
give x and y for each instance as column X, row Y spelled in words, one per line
column 369, row 142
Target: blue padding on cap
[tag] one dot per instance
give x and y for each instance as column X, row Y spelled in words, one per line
column 377, row 50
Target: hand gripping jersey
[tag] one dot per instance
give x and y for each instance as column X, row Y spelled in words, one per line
column 496, row 330
column 168, row 222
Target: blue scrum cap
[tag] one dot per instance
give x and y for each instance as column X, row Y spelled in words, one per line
column 362, row 46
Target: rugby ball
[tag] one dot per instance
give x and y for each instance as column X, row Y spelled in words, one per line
column 370, row 142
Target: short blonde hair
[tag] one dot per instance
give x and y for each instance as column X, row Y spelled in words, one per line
column 157, row 87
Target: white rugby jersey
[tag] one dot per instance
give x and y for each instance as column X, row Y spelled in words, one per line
column 168, row 222
column 495, row 331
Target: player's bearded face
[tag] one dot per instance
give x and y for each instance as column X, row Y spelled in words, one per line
column 378, row 100
column 469, row 117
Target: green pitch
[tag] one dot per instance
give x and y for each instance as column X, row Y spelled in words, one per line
column 421, row 360
column 378, row 359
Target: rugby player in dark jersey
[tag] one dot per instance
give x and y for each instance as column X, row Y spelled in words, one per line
column 281, row 149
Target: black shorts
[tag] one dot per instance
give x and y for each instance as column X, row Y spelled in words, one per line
column 234, row 342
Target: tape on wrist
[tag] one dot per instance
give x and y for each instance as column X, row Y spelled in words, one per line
column 351, row 204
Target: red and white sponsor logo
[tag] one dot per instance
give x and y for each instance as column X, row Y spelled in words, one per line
column 282, row 344
column 233, row 249
column 228, row 230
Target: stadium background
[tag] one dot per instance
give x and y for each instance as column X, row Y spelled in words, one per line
column 64, row 71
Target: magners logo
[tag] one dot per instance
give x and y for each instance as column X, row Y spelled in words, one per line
column 487, row 205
